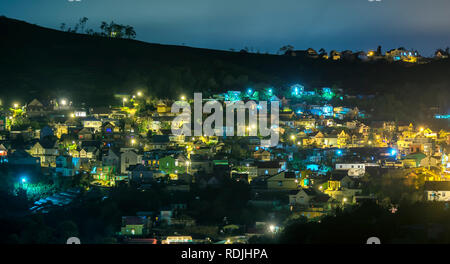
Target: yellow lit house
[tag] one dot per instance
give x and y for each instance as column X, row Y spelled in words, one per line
column 162, row 108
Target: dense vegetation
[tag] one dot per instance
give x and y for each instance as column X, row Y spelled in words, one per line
column 40, row 62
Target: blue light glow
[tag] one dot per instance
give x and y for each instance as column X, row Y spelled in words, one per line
column 393, row 152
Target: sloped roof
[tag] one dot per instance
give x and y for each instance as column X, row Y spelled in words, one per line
column 268, row 164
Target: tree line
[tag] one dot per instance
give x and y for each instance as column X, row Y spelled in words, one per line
column 111, row 29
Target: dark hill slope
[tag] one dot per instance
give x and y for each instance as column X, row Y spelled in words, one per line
column 41, row 62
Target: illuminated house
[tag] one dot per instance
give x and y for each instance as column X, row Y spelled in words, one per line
column 307, row 123
column 301, row 197
column 61, row 129
column 162, row 108
column 441, row 54
column 104, row 173
column 36, row 108
column 3, row 151
column 135, row 225
column 297, row 90
column 343, row 139
column 109, row 128
column 310, row 53
column 93, row 123
column 90, row 152
column 129, row 158
column 46, row 151
column 326, row 110
column 335, row 55
column 86, row 133
column 437, row 191
column 268, row 168
column 233, row 96
column 402, row 54
column 169, row 165
column 262, row 154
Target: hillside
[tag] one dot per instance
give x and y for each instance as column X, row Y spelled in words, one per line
column 41, row 62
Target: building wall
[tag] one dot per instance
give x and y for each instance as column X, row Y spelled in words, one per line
column 438, row 196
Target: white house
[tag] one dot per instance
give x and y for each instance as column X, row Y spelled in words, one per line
column 129, row 158
column 301, row 197
column 354, row 169
column 348, row 166
column 437, row 191
column 94, row 123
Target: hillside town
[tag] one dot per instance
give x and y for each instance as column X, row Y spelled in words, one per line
column 400, row 54
column 59, row 155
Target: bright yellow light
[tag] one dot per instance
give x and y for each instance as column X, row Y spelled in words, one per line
column 124, row 99
column 139, row 93
column 133, row 141
column 272, row 228
column 421, row 129
column 72, row 115
column 344, row 200
column 183, row 98
column 370, row 142
column 321, row 187
column 15, row 105
column 63, row 102
column 293, row 137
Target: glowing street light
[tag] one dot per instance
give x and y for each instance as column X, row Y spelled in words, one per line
column 133, row 141
column 139, row 94
column 272, row 228
column 63, row 102
column 183, row 98
column 16, row 105
column 23, row 180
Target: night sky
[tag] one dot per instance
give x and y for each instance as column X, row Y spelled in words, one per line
column 264, row 25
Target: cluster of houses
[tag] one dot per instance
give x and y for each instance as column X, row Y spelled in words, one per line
column 318, row 164
column 395, row 55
